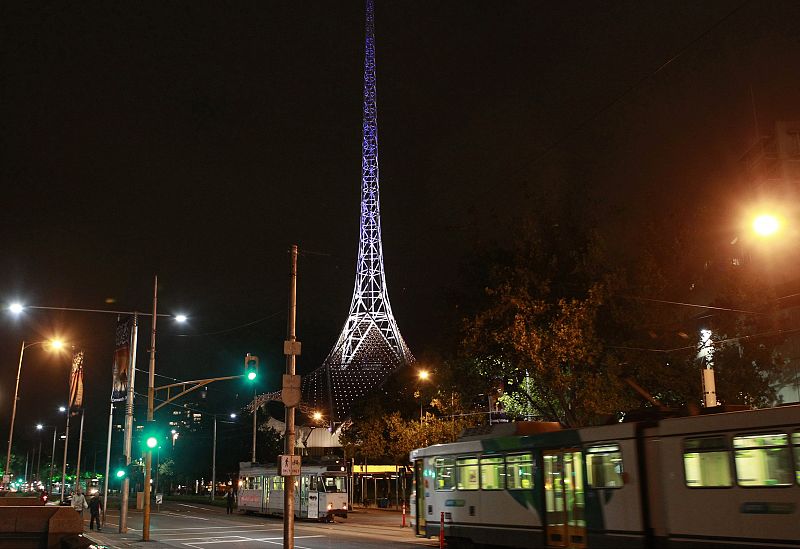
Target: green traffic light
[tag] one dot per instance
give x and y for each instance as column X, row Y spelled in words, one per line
column 251, row 376
column 152, row 442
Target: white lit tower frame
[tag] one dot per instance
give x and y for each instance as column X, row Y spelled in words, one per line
column 370, row 346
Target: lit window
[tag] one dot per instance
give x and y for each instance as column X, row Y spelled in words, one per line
column 519, row 472
column 706, row 462
column 492, row 473
column 277, row 483
column 467, row 473
column 763, row 460
column 604, row 466
column 445, row 473
column 796, row 443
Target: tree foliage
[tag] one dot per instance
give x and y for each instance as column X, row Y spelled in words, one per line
column 559, row 332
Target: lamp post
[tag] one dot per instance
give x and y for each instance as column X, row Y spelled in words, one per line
column 423, row 375
column 55, row 344
column 18, row 308
column 214, row 456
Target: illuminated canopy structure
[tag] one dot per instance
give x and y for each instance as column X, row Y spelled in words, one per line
column 370, row 346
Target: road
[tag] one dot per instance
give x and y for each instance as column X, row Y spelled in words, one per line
column 206, row 527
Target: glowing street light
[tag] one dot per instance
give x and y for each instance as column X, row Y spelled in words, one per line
column 52, row 344
column 62, row 409
column 180, row 318
column 16, row 308
column 766, row 225
column 423, row 375
column 317, row 416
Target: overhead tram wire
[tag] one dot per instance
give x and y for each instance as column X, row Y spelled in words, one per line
column 235, row 328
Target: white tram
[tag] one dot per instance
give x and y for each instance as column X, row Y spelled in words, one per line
column 725, row 480
column 320, row 491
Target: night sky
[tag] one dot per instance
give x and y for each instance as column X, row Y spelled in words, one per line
column 198, row 140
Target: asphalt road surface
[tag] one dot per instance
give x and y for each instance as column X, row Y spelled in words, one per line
column 205, row 527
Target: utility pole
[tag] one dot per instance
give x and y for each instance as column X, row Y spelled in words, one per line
column 214, row 462
column 148, row 458
column 255, row 424
column 291, row 349
column 126, row 448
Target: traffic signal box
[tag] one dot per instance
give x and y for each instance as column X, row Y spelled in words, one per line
column 122, row 471
column 152, row 436
column 250, row 367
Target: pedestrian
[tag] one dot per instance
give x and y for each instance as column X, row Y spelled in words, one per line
column 230, row 498
column 79, row 503
column 95, row 508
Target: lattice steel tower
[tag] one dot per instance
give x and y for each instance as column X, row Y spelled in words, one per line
column 370, row 346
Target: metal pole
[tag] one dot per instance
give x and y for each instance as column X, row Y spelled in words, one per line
column 288, row 493
column 39, row 460
column 255, row 418
column 148, row 459
column 52, row 462
column 7, row 472
column 214, row 462
column 80, row 447
column 64, row 465
column 108, row 458
column 126, row 445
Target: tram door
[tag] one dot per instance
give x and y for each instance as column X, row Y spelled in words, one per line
column 419, row 504
column 564, row 503
column 304, row 495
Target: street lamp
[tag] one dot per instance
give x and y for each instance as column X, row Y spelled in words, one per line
column 423, row 375
column 18, row 308
column 766, row 225
column 54, row 344
column 40, row 427
column 214, row 455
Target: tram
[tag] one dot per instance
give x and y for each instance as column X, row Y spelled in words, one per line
column 710, row 481
column 320, row 491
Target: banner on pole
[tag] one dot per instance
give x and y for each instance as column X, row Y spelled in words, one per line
column 76, row 382
column 122, row 359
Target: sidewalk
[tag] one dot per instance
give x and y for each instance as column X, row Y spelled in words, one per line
column 115, row 540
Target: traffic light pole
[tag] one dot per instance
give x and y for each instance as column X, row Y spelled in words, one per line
column 148, row 458
column 288, row 493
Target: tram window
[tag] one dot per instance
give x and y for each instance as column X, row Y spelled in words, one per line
column 763, row 460
column 445, row 473
column 333, row 484
column 706, row 463
column 796, row 443
column 467, row 476
column 313, row 484
column 604, row 466
column 519, row 472
column 492, row 473
column 277, row 483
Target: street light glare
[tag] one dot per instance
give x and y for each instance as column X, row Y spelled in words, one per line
column 317, row 416
column 180, row 318
column 39, row 426
column 423, row 374
column 233, row 416
column 766, row 225
column 56, row 344
column 62, row 409
column 16, row 308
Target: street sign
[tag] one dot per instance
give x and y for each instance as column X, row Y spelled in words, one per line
column 290, row 393
column 289, row 465
column 159, row 499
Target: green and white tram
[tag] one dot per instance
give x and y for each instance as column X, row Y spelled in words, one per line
column 320, row 491
column 717, row 480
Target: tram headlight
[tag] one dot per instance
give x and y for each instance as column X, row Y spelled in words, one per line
column 330, row 506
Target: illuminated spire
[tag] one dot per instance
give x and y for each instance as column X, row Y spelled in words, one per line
column 370, row 346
